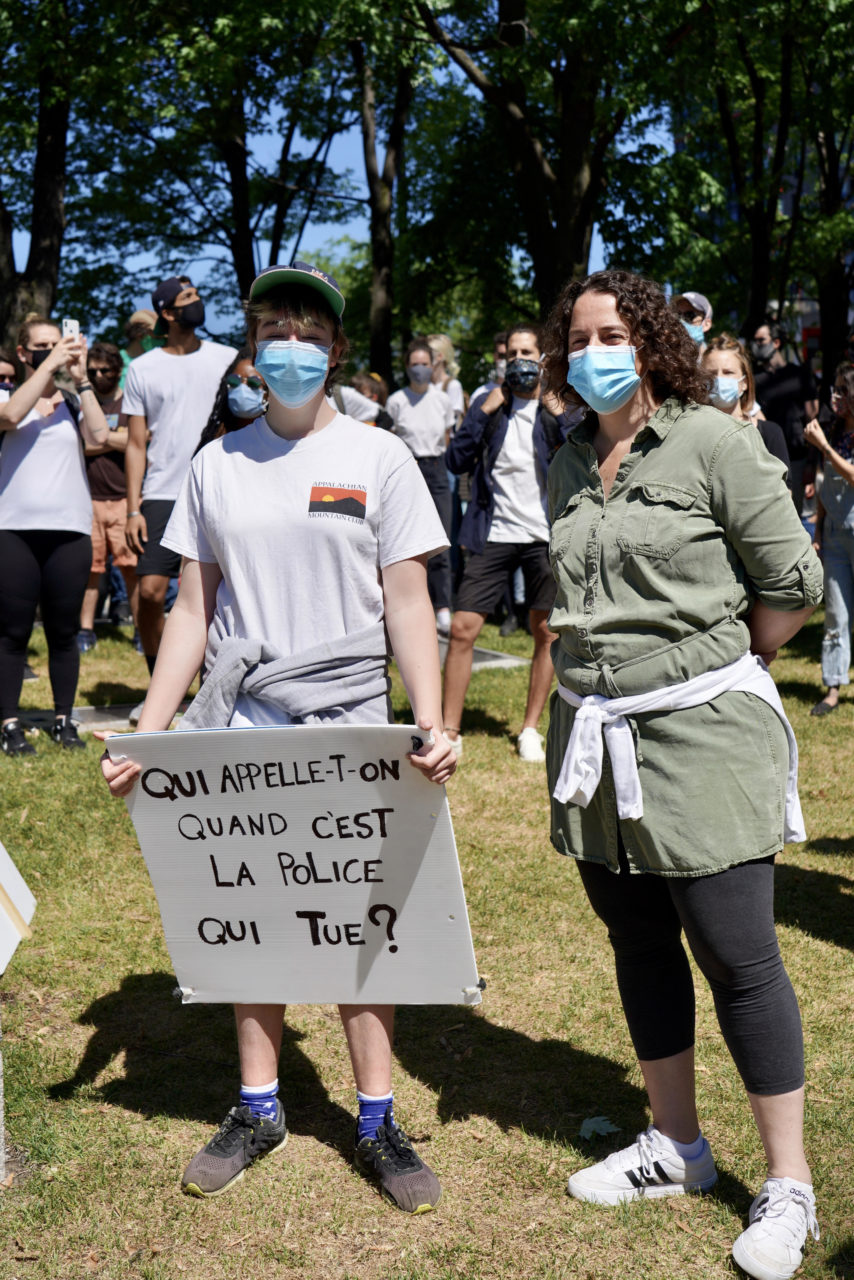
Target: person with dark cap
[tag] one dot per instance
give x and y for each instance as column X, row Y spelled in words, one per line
column 695, row 312
column 788, row 394
column 168, row 396
column 310, row 568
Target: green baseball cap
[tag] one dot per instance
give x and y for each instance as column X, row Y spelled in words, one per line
column 300, row 273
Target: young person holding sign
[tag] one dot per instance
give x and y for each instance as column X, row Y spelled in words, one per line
column 305, row 530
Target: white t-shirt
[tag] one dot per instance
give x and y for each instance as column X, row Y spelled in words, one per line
column 520, row 490
column 355, row 405
column 454, row 391
column 175, row 394
column 301, row 529
column 422, row 420
column 43, row 481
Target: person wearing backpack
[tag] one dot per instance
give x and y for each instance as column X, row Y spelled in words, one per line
column 45, row 522
column 507, row 439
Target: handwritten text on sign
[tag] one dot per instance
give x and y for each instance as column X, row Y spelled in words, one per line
column 308, row 865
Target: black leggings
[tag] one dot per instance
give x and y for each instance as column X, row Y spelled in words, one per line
column 51, row 568
column 728, row 920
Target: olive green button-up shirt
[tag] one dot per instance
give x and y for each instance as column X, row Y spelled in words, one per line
column 654, row 587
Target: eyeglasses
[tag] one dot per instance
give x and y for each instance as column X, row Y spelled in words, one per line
column 234, row 380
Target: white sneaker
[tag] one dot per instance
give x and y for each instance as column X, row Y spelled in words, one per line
column 133, row 718
column 781, row 1217
column 647, row 1168
column 456, row 743
column 443, row 622
column 529, row 744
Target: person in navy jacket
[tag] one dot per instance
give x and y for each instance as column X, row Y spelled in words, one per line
column 507, row 440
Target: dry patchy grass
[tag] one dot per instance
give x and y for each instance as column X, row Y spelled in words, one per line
column 111, row 1084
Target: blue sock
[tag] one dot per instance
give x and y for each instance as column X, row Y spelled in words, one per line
column 260, row 1099
column 372, row 1113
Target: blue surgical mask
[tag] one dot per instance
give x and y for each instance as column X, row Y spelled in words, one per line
column 246, row 402
column 695, row 331
column 293, row 371
column 420, row 374
column 604, row 377
column 724, row 392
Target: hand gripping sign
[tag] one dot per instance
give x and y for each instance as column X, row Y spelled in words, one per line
column 302, row 865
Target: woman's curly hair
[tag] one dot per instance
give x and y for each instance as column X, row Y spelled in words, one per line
column 668, row 351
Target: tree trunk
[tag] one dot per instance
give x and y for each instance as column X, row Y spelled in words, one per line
column 231, row 144
column 34, row 289
column 557, row 195
column 380, row 190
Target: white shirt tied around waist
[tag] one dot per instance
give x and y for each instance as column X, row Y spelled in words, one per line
column 582, row 762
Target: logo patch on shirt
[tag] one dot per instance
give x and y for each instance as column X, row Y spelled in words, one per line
column 328, row 500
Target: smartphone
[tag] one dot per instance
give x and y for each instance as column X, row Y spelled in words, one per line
column 70, row 328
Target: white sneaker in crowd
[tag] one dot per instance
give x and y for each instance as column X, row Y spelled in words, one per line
column 781, row 1217
column 648, row 1168
column 443, row 622
column 133, row 718
column 456, row 743
column 529, row 744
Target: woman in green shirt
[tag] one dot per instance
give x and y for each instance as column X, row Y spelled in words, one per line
column 680, row 563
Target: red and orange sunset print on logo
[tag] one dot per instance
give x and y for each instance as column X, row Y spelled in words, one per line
column 327, row 500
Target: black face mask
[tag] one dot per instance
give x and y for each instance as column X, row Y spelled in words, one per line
column 522, row 375
column 37, row 358
column 190, row 316
column 6, row 385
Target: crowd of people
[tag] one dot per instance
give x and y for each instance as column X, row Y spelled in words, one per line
column 650, row 495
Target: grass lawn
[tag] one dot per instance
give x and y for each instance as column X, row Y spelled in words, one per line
column 111, row 1085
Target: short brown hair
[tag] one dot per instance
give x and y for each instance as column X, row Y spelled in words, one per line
column 669, row 353
column 526, row 326
column 298, row 305
column 32, row 321
column 417, row 344
column 726, row 342
column 106, row 351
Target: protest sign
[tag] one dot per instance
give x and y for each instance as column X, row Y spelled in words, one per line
column 302, row 864
column 17, row 906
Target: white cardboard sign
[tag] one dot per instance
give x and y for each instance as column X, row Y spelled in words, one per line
column 312, row 865
column 17, row 906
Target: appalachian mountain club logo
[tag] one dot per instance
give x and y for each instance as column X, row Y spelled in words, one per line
column 331, row 500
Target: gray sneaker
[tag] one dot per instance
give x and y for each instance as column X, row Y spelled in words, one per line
column 241, row 1139
column 403, row 1177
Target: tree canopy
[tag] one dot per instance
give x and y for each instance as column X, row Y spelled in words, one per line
column 711, row 144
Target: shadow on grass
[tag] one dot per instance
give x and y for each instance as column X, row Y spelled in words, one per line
column 807, row 643
column 817, row 902
column 476, row 720
column 841, row 1263
column 543, row 1087
column 181, row 1060
column 106, row 693
column 801, row 690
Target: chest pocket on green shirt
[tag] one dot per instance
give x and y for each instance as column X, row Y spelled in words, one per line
column 562, row 526
column 654, row 523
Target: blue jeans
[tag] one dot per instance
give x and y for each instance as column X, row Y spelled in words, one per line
column 838, row 553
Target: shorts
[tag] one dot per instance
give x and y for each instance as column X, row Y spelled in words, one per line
column 108, row 534
column 157, row 559
column 486, row 573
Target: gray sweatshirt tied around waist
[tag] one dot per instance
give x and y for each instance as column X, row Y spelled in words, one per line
column 310, row 687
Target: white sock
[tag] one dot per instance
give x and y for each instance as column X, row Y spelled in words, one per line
column 687, row 1150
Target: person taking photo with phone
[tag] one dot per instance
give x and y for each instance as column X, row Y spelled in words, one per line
column 45, row 522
